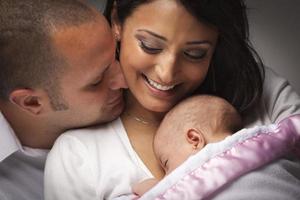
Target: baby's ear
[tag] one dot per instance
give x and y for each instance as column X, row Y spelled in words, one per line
column 196, row 138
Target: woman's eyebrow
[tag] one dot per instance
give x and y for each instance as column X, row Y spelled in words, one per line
column 199, row 42
column 153, row 34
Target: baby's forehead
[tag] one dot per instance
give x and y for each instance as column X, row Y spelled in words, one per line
column 162, row 134
column 165, row 136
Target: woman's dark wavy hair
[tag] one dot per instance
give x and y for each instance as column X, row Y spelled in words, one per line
column 236, row 72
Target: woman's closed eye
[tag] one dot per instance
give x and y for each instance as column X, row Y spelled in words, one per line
column 195, row 54
column 149, row 48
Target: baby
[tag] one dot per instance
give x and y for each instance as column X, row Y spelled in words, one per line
column 187, row 128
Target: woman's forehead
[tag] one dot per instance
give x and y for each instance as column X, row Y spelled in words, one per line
column 170, row 20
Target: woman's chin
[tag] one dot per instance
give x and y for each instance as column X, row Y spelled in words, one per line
column 159, row 108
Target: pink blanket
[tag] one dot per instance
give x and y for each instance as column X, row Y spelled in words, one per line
column 205, row 173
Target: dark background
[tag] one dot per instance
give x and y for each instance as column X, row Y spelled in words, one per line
column 275, row 33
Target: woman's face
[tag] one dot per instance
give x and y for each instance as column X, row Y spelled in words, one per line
column 165, row 53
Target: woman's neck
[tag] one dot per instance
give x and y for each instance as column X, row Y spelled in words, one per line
column 138, row 113
column 141, row 125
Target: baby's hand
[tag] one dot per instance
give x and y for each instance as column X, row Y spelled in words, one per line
column 142, row 187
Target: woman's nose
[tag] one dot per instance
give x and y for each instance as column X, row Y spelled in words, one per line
column 166, row 69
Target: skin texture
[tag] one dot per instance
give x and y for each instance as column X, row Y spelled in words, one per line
column 176, row 56
column 90, row 87
column 190, row 125
column 186, row 129
column 168, row 65
column 94, row 96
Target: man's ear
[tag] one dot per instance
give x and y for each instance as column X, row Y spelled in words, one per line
column 115, row 23
column 196, row 138
column 27, row 100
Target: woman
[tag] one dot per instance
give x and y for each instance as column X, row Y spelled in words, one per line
column 168, row 51
column 192, row 54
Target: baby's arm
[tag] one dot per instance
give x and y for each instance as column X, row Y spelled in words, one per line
column 140, row 188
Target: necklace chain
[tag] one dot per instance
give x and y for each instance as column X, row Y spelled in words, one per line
column 140, row 120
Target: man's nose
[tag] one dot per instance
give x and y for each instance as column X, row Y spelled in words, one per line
column 117, row 80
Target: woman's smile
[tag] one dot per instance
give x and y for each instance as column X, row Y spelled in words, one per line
column 169, row 62
column 157, row 85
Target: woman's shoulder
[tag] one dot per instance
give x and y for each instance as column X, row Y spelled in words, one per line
column 273, row 79
column 279, row 100
column 279, row 97
column 93, row 134
column 274, row 83
column 89, row 145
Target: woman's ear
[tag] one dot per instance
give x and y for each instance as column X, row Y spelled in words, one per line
column 196, row 138
column 115, row 23
column 27, row 100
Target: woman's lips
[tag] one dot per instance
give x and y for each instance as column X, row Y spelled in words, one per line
column 160, row 90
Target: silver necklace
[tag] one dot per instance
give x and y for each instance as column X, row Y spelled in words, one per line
column 140, row 120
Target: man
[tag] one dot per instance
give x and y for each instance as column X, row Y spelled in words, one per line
column 58, row 71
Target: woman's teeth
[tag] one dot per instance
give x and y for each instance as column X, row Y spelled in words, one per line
column 159, row 86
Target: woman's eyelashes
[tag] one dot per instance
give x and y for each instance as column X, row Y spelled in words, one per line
column 149, row 48
column 195, row 54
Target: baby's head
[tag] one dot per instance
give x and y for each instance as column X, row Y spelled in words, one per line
column 190, row 125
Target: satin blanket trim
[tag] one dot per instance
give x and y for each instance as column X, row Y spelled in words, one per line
column 220, row 163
